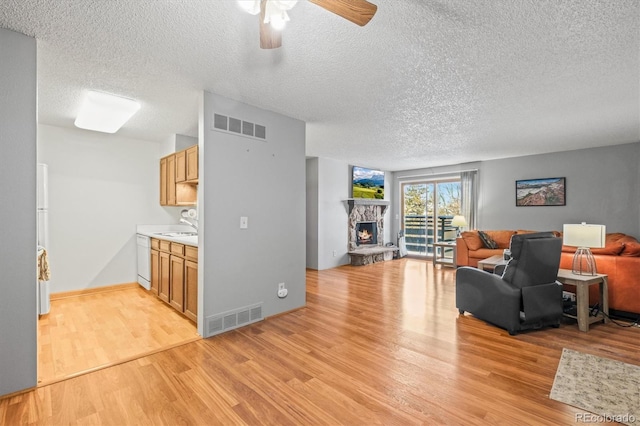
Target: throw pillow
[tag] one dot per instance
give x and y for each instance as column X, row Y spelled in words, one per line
column 487, row 240
column 631, row 249
column 472, row 240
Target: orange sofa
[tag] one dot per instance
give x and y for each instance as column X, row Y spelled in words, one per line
column 619, row 259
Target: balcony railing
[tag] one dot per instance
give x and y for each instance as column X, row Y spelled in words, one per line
column 420, row 232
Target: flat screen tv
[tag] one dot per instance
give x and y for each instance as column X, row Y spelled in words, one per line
column 368, row 183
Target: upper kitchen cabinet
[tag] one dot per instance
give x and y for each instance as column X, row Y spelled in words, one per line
column 192, row 163
column 181, row 166
column 179, row 178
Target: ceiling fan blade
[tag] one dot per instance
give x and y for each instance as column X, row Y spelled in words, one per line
column 357, row 11
column 269, row 38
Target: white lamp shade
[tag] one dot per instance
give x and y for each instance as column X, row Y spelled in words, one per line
column 583, row 235
column 458, row 221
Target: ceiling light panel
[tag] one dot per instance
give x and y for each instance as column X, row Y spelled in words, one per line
column 106, row 113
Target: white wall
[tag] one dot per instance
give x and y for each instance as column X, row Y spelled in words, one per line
column 265, row 181
column 100, row 187
column 328, row 212
column 18, row 309
column 333, row 213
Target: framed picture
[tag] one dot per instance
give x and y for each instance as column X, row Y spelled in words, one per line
column 367, row 183
column 541, row 192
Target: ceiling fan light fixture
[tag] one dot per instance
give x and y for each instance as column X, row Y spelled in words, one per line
column 250, row 6
column 276, row 13
column 277, row 21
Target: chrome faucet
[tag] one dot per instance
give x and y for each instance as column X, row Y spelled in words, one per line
column 194, row 225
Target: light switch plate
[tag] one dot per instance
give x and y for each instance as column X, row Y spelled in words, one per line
column 244, row 222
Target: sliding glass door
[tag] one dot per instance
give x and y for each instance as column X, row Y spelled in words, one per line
column 427, row 210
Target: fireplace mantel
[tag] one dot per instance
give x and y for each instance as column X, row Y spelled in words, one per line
column 351, row 202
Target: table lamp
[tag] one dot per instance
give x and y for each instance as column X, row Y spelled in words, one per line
column 458, row 221
column 584, row 237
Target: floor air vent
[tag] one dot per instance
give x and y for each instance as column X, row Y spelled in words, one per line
column 226, row 321
column 239, row 127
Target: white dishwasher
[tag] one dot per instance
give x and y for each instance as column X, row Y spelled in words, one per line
column 144, row 261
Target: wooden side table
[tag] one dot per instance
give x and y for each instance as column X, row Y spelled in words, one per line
column 439, row 258
column 582, row 283
column 490, row 263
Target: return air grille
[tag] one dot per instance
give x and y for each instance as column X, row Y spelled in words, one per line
column 226, row 321
column 239, row 127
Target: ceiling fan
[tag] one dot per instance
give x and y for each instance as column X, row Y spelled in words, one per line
column 273, row 15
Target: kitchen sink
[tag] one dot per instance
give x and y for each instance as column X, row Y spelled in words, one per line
column 177, row 234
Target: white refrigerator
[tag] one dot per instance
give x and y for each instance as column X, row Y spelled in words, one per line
column 43, row 291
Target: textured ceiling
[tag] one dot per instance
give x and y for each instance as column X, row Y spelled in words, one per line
column 426, row 83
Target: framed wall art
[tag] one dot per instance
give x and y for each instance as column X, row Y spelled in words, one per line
column 541, row 192
column 367, row 183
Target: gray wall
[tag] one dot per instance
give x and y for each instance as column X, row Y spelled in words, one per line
column 18, row 311
column 312, row 212
column 603, row 185
column 264, row 181
column 600, row 183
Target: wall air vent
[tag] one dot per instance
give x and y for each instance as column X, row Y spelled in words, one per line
column 230, row 320
column 225, row 124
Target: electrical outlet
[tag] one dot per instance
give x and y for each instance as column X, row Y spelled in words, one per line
column 282, row 291
column 334, row 253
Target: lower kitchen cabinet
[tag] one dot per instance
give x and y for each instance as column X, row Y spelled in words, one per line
column 174, row 276
column 155, row 271
column 191, row 290
column 165, row 273
column 176, row 288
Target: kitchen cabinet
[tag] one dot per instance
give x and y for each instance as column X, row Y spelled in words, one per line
column 155, row 271
column 171, row 180
column 192, row 163
column 191, row 283
column 165, row 274
column 179, row 178
column 175, row 275
column 176, row 283
column 181, row 166
column 163, row 181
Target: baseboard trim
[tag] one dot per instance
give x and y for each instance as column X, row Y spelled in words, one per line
column 17, row 393
column 285, row 312
column 84, row 292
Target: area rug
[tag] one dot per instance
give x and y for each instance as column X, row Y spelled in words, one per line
column 608, row 390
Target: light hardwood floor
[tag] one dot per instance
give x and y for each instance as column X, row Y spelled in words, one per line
column 86, row 332
column 377, row 344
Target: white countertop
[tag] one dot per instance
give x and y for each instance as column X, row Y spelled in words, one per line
column 153, row 231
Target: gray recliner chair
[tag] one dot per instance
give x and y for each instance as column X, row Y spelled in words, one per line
column 526, row 295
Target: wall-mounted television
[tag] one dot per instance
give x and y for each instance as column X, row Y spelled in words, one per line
column 367, row 183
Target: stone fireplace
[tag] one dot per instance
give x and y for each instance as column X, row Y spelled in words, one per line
column 366, row 231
